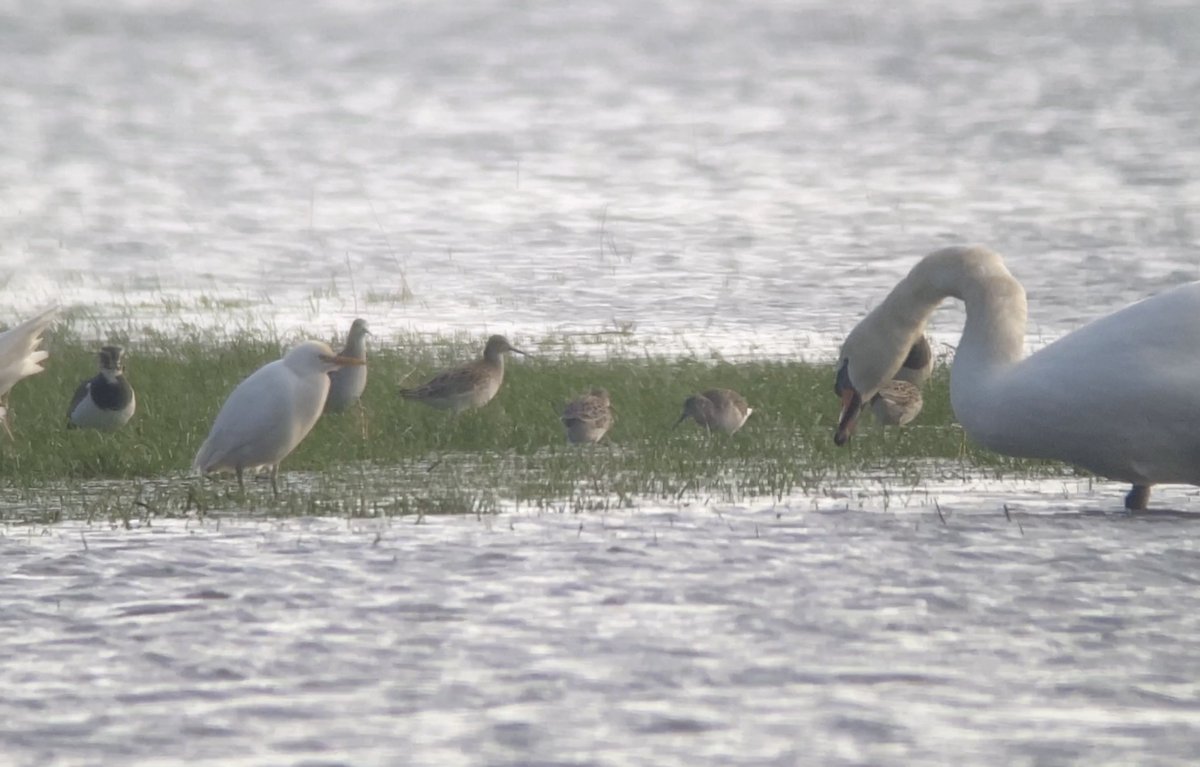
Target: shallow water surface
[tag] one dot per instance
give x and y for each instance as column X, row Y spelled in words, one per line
column 739, row 635
column 748, row 176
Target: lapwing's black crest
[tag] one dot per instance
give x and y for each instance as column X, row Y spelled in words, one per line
column 106, row 400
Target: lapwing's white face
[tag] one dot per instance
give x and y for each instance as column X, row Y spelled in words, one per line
column 112, row 362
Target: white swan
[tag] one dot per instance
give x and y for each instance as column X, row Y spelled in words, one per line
column 1119, row 397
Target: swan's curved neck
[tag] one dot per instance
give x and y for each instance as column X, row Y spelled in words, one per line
column 994, row 334
column 993, row 338
column 992, row 342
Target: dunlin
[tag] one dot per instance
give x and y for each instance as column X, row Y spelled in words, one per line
column 589, row 417
column 899, row 400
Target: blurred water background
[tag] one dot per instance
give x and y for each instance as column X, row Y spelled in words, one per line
column 745, row 177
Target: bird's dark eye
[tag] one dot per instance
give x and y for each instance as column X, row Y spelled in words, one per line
column 842, row 381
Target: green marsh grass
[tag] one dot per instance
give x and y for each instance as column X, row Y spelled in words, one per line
column 416, row 460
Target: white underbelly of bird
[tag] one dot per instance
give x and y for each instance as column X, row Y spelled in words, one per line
column 89, row 415
column 897, row 403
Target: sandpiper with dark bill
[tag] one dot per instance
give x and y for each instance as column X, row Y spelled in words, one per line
column 588, row 418
column 716, row 409
column 106, row 401
column 346, row 384
column 468, row 386
column 20, row 356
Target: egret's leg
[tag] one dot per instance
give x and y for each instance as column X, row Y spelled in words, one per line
column 241, row 484
column 274, row 479
column 1138, row 497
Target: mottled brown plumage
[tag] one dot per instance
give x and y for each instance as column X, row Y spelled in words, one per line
column 899, row 400
column 588, row 418
column 897, row 403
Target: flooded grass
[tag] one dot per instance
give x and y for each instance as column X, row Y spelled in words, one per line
column 416, row 460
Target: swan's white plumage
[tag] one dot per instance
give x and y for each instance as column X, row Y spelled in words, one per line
column 19, row 355
column 269, row 413
column 1119, row 397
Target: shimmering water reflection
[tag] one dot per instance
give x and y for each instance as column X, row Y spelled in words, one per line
column 746, row 175
column 735, row 635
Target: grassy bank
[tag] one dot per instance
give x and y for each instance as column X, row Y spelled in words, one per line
column 418, row 460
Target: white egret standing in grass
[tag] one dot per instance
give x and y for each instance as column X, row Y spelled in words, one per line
column 269, row 413
column 20, row 356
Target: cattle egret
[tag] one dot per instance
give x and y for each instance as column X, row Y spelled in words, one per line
column 269, row 413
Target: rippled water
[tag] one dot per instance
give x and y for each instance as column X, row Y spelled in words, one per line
column 748, row 174
column 740, row 637
column 745, row 176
